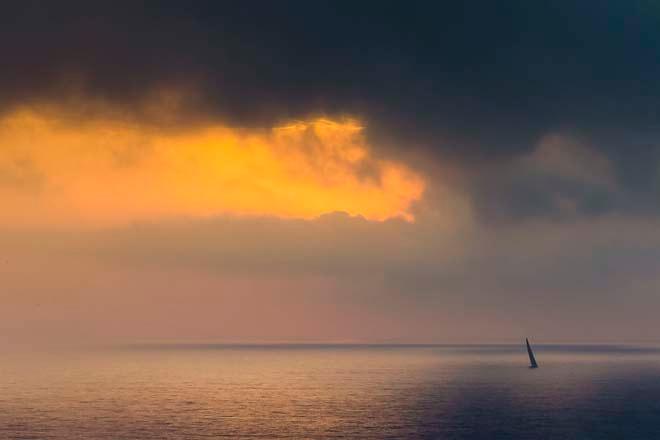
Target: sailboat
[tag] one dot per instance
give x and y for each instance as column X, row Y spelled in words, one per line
column 532, row 360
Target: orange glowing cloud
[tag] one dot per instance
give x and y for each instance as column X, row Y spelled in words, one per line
column 103, row 170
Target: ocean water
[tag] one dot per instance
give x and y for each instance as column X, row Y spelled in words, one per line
column 319, row 392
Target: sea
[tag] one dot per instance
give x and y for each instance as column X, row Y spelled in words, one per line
column 208, row 391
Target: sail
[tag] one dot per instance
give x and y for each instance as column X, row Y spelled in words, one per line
column 532, row 360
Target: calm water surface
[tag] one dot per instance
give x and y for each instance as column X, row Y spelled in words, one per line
column 459, row 392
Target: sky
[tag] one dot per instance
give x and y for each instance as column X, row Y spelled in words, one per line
column 329, row 171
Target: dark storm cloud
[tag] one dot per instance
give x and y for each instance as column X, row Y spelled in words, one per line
column 473, row 81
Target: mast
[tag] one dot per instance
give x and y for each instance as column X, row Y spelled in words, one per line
column 532, row 360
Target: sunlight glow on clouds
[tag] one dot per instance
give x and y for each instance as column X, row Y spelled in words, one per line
column 103, row 170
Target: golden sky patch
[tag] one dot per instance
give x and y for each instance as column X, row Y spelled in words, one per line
column 105, row 171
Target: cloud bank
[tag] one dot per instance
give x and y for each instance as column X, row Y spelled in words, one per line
column 501, row 175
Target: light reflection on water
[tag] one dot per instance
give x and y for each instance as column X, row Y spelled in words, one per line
column 191, row 392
